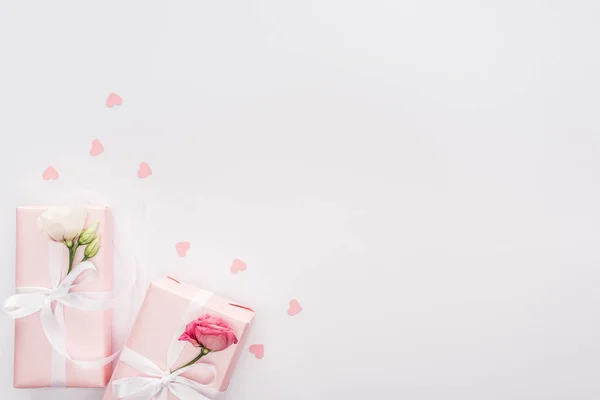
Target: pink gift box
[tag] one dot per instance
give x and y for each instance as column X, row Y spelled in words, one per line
column 159, row 323
column 88, row 333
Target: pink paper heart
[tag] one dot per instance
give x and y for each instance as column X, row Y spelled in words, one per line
column 113, row 99
column 144, row 170
column 50, row 174
column 238, row 266
column 97, row 148
column 295, row 308
column 258, row 350
column 182, row 248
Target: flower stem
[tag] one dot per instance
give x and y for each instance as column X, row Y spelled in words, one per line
column 203, row 352
column 72, row 251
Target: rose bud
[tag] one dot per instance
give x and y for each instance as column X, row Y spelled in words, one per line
column 209, row 332
column 88, row 234
column 92, row 249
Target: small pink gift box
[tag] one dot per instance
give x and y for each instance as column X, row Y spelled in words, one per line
column 88, row 333
column 168, row 307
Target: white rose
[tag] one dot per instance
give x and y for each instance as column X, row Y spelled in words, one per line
column 63, row 224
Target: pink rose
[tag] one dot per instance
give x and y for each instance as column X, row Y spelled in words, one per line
column 212, row 333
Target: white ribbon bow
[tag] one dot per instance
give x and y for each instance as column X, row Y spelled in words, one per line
column 51, row 302
column 159, row 383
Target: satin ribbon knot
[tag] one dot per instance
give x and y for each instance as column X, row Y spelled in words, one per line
column 31, row 299
column 158, row 383
column 166, row 379
column 50, row 302
column 59, row 294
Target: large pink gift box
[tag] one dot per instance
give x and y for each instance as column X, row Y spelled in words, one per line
column 88, row 333
column 162, row 319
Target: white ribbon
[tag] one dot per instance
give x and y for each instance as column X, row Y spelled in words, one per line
column 50, row 302
column 158, row 382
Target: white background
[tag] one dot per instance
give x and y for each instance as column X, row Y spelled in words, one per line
column 421, row 175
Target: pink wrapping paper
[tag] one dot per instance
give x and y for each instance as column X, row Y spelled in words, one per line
column 158, row 321
column 88, row 333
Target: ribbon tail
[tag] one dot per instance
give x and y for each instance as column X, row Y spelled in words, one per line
column 56, row 334
column 52, row 328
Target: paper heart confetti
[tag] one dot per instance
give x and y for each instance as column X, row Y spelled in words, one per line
column 258, row 350
column 50, row 174
column 238, row 266
column 182, row 248
column 295, row 308
column 144, row 170
column 113, row 99
column 97, row 148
